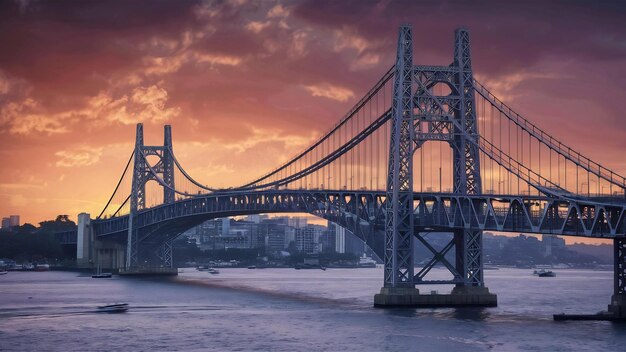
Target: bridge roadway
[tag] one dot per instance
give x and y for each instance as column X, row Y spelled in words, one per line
column 363, row 213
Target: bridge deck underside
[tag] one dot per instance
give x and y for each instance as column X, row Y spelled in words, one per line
column 364, row 213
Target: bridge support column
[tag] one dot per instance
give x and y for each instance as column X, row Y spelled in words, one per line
column 469, row 264
column 618, row 301
column 109, row 255
column 84, row 242
column 399, row 288
column 165, row 253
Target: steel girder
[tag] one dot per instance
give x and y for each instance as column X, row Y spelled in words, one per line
column 443, row 212
column 399, row 212
column 363, row 213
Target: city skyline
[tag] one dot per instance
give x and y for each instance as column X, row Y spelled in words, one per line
column 247, row 85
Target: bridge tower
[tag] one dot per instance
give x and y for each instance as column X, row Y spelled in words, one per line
column 419, row 115
column 142, row 173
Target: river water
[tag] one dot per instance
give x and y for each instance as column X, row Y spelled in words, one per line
column 297, row 310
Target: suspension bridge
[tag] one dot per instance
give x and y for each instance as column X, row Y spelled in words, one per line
column 427, row 149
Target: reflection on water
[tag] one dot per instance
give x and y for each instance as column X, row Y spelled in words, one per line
column 303, row 310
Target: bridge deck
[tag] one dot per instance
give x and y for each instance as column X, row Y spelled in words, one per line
column 590, row 217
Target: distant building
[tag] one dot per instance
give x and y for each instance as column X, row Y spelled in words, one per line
column 298, row 222
column 257, row 218
column 307, row 238
column 354, row 244
column 550, row 242
column 340, row 237
column 6, row 223
column 272, row 235
column 346, row 241
column 14, row 220
column 275, row 241
column 276, row 233
column 225, row 226
column 327, row 241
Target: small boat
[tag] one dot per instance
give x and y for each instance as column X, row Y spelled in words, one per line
column 113, row 308
column 3, row 272
column 366, row 262
column 544, row 273
column 100, row 275
column 299, row 266
column 42, row 267
column 213, row 271
column 252, row 267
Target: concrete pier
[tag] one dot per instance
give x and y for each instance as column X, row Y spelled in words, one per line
column 92, row 252
column 618, row 306
column 616, row 312
column 459, row 297
column 84, row 242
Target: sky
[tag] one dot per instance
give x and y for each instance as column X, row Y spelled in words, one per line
column 246, row 84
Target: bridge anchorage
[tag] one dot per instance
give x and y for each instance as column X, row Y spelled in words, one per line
column 497, row 172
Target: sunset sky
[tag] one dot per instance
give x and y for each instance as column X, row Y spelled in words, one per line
column 245, row 84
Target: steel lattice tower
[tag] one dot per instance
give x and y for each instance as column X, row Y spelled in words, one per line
column 142, row 173
column 399, row 213
column 418, row 115
column 466, row 167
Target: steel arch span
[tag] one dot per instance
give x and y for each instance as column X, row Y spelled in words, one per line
column 363, row 212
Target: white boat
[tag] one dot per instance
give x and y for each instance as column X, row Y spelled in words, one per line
column 366, row 262
column 213, row 271
column 113, row 308
column 3, row 272
column 42, row 267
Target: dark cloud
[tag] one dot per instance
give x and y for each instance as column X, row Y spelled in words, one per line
column 507, row 36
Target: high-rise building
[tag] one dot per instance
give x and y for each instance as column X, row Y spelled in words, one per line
column 340, row 239
column 327, row 241
column 6, row 223
column 308, row 238
column 257, row 218
column 275, row 233
column 225, row 226
column 354, row 244
column 14, row 220
column 275, row 241
column 298, row 222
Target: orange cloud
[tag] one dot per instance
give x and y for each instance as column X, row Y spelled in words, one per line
column 330, row 91
column 82, row 156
